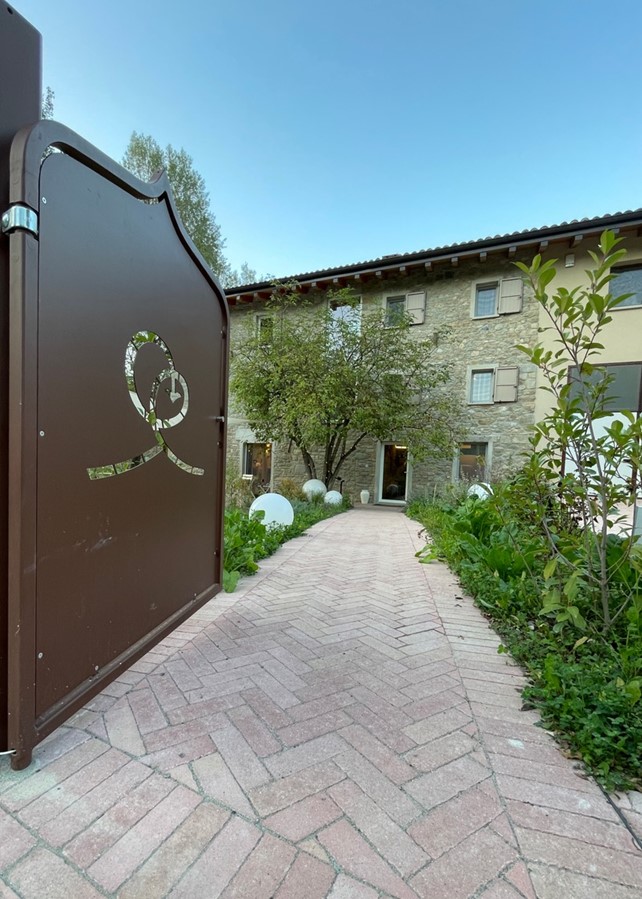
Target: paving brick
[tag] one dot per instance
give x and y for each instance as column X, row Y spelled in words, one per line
column 217, row 782
column 609, row 834
column 441, row 751
column 446, row 826
column 263, row 870
column 304, row 817
column 460, row 872
column 348, row 888
column 81, row 782
column 179, row 754
column 220, row 862
column 529, row 769
column 518, row 876
column 15, row 841
column 42, row 870
column 313, row 727
column 591, row 860
column 258, row 737
column 122, row 859
column 388, row 762
column 393, row 738
column 247, row 768
column 356, row 857
column 269, row 712
column 170, row 861
column 275, row 796
column 317, row 750
column 381, row 831
column 551, row 883
column 28, row 786
column 446, row 782
column 80, row 814
column 501, row 890
column 437, row 725
column 308, row 878
column 590, row 804
column 92, row 842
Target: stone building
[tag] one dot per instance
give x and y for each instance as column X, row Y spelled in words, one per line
column 476, row 291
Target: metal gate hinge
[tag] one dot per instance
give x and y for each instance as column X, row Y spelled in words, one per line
column 20, row 218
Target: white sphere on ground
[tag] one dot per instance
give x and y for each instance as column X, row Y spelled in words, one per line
column 333, row 498
column 314, row 488
column 278, row 510
column 482, row 491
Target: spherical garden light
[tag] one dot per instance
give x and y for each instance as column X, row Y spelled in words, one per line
column 277, row 509
column 314, row 488
column 333, row 498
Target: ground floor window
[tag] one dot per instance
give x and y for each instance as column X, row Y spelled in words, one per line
column 473, row 461
column 257, row 463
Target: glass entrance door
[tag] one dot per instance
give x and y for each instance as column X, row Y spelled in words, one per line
column 393, row 473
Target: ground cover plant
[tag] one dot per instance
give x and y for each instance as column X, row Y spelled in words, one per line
column 549, row 557
column 247, row 540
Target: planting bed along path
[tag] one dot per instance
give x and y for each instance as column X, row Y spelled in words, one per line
column 340, row 726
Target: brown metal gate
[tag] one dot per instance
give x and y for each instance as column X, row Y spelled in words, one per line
column 117, row 396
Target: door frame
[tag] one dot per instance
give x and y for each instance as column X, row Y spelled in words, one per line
column 381, row 446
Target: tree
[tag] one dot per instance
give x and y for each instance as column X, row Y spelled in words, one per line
column 325, row 377
column 588, row 562
column 144, row 157
column 47, row 109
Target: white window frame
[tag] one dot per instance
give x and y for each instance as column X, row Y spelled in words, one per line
column 485, row 282
column 508, row 300
column 475, row 369
column 419, row 311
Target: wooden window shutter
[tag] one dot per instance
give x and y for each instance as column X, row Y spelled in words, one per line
column 416, row 307
column 511, row 292
column 506, row 381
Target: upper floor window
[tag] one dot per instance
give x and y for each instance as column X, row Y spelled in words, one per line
column 412, row 304
column 482, row 382
column 500, row 297
column 264, row 328
column 486, row 300
column 627, row 279
column 344, row 316
column 493, row 384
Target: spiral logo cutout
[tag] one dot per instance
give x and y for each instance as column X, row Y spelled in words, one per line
column 176, row 387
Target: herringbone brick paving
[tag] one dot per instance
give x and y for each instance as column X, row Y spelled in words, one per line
column 342, row 726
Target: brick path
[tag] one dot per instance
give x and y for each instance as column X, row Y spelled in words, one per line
column 341, row 726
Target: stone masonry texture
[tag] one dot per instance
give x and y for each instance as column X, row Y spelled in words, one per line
column 470, row 343
column 342, row 726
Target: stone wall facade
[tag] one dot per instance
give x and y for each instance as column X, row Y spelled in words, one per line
column 472, row 343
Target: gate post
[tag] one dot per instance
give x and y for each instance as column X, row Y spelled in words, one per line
column 20, row 76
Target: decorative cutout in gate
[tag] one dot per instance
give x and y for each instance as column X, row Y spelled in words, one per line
column 176, row 380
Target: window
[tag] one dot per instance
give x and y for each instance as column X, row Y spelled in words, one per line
column 264, row 328
column 413, row 304
column 624, row 391
column 627, row 279
column 485, row 300
column 473, row 461
column 482, row 382
column 345, row 318
column 493, row 384
column 257, row 463
column 501, row 297
column 395, row 310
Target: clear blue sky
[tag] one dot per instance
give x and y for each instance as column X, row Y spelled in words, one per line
column 339, row 131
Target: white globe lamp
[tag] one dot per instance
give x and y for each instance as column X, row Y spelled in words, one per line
column 313, row 488
column 277, row 509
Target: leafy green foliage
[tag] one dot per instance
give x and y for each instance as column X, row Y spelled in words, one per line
column 247, row 540
column 324, row 377
column 586, row 684
column 579, row 465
